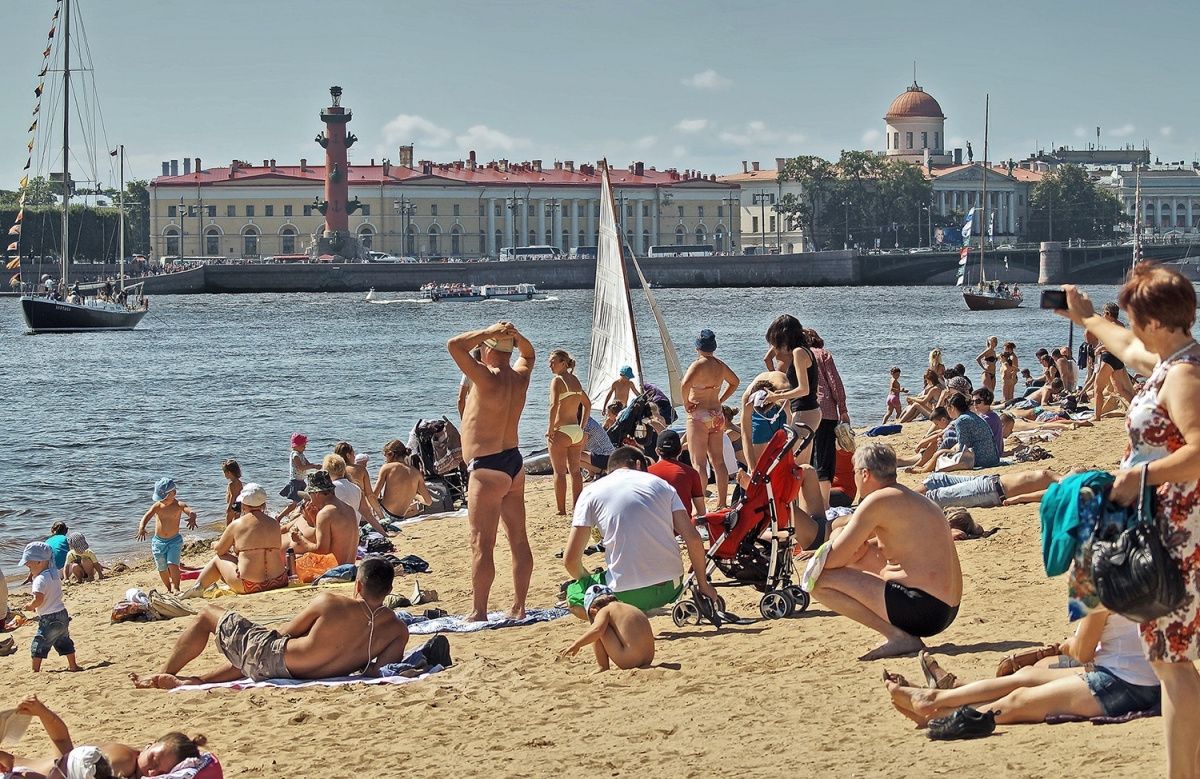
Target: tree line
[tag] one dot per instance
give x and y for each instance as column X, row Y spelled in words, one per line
column 94, row 229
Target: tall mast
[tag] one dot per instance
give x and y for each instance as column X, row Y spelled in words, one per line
column 121, row 221
column 1137, row 214
column 984, row 224
column 66, row 166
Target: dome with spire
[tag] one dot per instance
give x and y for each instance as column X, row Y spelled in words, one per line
column 914, row 102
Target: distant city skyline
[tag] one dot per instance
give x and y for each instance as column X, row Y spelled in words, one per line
column 698, row 84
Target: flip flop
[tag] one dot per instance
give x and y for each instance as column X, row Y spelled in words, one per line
column 7, row 647
column 899, row 679
column 964, row 723
column 936, row 677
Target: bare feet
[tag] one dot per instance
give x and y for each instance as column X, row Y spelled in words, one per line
column 475, row 616
column 160, row 681
column 895, row 647
column 516, row 613
column 915, row 703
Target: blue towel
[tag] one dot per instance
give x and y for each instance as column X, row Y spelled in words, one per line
column 419, row 625
column 884, row 430
column 340, row 573
column 1062, row 523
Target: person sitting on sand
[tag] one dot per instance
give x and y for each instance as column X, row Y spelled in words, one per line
column 967, row 433
column 350, row 493
column 638, row 516
column 358, row 475
column 255, row 535
column 1106, row 675
column 82, row 564
column 333, row 539
column 167, row 544
column 924, row 403
column 399, row 487
column 104, row 760
column 929, row 444
column 620, row 633
column 990, row 491
column 332, row 636
column 893, row 566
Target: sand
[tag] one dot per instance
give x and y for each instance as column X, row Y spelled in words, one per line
column 765, row 698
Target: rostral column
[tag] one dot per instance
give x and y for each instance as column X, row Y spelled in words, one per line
column 336, row 239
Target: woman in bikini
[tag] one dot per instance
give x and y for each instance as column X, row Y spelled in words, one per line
column 1008, row 376
column 935, row 363
column 706, row 386
column 790, row 354
column 987, row 360
column 923, row 404
column 256, row 536
column 569, row 405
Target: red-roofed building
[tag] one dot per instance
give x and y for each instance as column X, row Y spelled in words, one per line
column 425, row 208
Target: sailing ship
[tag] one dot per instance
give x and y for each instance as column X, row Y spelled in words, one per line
column 985, row 295
column 55, row 309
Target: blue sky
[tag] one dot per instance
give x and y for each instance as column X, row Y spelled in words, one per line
column 690, row 84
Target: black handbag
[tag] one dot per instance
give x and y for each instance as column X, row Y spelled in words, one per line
column 1133, row 574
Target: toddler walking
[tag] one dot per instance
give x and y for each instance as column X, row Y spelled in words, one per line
column 53, row 621
column 167, row 544
column 893, row 398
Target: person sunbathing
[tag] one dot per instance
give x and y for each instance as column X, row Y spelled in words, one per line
column 997, row 489
column 893, row 566
column 104, row 760
column 620, row 633
column 1120, row 682
column 332, row 636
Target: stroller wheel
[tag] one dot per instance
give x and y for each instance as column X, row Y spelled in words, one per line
column 685, row 612
column 776, row 604
column 801, row 598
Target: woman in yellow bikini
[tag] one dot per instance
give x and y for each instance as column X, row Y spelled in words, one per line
column 707, row 384
column 569, row 406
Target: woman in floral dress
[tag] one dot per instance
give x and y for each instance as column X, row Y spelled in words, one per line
column 1164, row 433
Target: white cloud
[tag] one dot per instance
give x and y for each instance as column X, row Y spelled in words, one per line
column 756, row 133
column 706, row 79
column 1122, row 131
column 428, row 135
column 1167, row 131
column 407, row 128
column 692, row 125
column 486, row 139
column 872, row 137
column 645, row 143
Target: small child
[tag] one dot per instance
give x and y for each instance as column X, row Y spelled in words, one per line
column 167, row 544
column 893, row 398
column 298, row 466
column 619, row 632
column 82, row 564
column 53, row 621
column 233, row 474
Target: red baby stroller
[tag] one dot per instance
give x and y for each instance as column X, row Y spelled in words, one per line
column 751, row 543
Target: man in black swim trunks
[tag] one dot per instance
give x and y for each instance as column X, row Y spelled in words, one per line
column 893, row 567
column 496, row 489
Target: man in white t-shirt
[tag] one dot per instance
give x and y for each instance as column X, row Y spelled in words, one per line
column 638, row 515
column 349, row 493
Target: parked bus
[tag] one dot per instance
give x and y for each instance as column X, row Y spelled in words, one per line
column 681, row 250
column 508, row 253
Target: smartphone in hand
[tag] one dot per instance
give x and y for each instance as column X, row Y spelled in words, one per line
column 1054, row 299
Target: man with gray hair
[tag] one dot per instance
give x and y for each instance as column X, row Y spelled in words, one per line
column 893, row 567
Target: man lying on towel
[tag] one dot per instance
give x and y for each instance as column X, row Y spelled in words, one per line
column 333, row 636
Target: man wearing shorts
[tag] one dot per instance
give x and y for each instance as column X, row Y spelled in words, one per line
column 638, row 515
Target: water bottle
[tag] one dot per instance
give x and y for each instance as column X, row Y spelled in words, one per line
column 291, row 563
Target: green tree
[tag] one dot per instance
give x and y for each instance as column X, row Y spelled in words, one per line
column 39, row 192
column 814, row 175
column 1067, row 204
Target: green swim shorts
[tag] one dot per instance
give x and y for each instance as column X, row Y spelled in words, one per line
column 645, row 598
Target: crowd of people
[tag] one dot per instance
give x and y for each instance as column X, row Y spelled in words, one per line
column 635, row 489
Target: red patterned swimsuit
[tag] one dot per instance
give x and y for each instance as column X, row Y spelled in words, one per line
column 1152, row 435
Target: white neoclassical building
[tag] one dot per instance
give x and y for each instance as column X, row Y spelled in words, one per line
column 959, row 188
column 916, row 128
column 1170, row 197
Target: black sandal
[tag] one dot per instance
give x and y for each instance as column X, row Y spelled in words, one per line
column 964, row 723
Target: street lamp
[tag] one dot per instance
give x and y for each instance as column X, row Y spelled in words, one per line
column 928, row 224
column 760, row 198
column 405, row 208
column 513, row 204
column 847, row 203
column 549, row 208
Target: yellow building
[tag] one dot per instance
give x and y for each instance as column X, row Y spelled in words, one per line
column 427, row 209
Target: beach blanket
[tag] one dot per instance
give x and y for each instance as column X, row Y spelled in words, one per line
column 419, row 625
column 207, row 766
column 1058, row 719
column 338, row 681
column 879, row 430
column 396, row 524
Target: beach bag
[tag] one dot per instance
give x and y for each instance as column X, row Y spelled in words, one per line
column 166, row 606
column 960, row 460
column 1133, row 573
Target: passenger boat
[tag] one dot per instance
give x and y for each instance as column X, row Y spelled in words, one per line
column 471, row 293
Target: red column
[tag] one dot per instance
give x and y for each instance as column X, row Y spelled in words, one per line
column 335, row 118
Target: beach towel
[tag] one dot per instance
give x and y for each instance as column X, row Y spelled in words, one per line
column 207, row 766
column 419, row 625
column 1058, row 719
column 879, row 430
column 338, row 681
column 396, row 524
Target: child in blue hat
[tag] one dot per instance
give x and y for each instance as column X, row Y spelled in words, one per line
column 167, row 544
column 53, row 621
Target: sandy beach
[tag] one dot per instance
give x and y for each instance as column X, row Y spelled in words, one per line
column 764, row 698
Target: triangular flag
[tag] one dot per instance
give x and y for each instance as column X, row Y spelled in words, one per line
column 51, row 35
column 38, row 89
column 15, row 229
column 43, row 71
column 37, row 107
column 24, row 182
column 20, row 216
column 112, row 153
column 29, row 145
column 14, row 264
column 33, row 126
column 46, row 53
column 12, row 247
column 28, row 162
column 56, row 12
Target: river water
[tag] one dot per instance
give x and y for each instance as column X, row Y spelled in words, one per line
column 93, row 420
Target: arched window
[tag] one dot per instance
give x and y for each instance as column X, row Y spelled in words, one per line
column 645, row 242
column 582, row 239
column 212, row 242
column 434, row 232
column 366, row 236
column 719, row 239
column 499, row 238
column 680, row 235
column 456, row 241
column 566, row 241
column 549, row 236
column 701, row 235
column 532, row 238
column 287, row 240
column 628, row 240
column 250, row 242
column 410, row 241
column 172, row 244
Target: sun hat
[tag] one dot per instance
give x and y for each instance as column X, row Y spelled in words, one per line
column 707, row 342
column 77, row 542
column 252, row 495
column 299, row 439
column 960, row 385
column 317, row 481
column 594, row 592
column 669, row 444
column 361, row 459
column 500, row 344
column 627, row 371
column 163, row 486
column 36, row 552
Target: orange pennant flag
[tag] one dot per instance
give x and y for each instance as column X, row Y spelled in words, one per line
column 15, row 264
column 12, row 247
column 24, row 182
column 46, row 53
column 20, row 216
column 15, row 229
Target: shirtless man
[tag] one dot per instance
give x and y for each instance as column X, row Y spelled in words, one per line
column 335, row 525
column 332, row 636
column 400, row 488
column 361, row 478
column 893, row 567
column 496, row 486
column 255, row 536
column 619, row 632
column 622, row 388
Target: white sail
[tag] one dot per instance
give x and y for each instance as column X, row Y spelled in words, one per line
column 614, row 335
column 670, row 356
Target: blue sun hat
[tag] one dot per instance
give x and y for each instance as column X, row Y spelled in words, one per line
column 163, row 486
column 591, row 594
column 627, row 371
